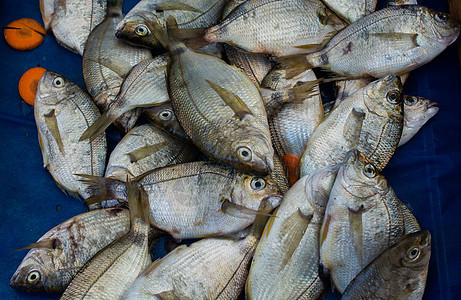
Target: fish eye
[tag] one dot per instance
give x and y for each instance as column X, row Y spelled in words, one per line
column 244, row 153
column 141, row 30
column 165, row 115
column 440, row 17
column 257, row 183
column 369, row 171
column 58, row 82
column 33, row 277
column 393, row 97
column 413, row 253
column 410, row 101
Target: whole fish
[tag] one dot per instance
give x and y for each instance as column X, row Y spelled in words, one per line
column 144, row 86
column 71, row 21
column 213, row 268
column 197, row 199
column 113, row 269
column 381, row 101
column 393, row 40
column 399, row 272
column 363, row 217
column 296, row 27
column 285, row 264
column 188, row 14
column 145, row 148
column 219, row 108
column 417, row 111
column 58, row 255
column 164, row 117
column 63, row 111
column 107, row 60
column 351, row 11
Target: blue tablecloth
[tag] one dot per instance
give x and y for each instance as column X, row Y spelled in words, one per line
column 425, row 173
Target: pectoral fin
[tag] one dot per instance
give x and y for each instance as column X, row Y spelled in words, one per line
column 98, row 127
column 145, row 151
column 52, row 124
column 356, row 227
column 239, row 211
column 45, row 243
column 353, row 128
column 232, row 100
column 174, row 5
column 292, row 231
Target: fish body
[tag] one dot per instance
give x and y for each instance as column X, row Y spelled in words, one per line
column 279, row 176
column 164, row 117
column 197, row 14
column 351, row 11
column 285, row 264
column 199, row 199
column 113, row 269
column 72, row 20
column 71, row 244
column 145, row 148
column 417, row 111
column 107, row 60
column 254, row 27
column 62, row 112
column 363, row 218
column 399, row 272
column 381, row 102
column 393, row 40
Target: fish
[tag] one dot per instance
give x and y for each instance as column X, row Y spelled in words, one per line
column 113, row 269
column 164, row 117
column 144, row 86
column 363, row 217
column 417, row 111
column 413, row 36
column 400, row 272
column 219, row 107
column 108, row 60
column 62, row 112
column 298, row 26
column 285, row 264
column 145, row 148
column 212, row 268
column 57, row 256
column 351, row 11
column 71, row 21
column 188, row 14
column 379, row 133
column 196, row 199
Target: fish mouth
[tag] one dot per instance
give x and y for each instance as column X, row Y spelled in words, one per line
column 119, row 30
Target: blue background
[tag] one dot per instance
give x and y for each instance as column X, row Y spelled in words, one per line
column 425, row 173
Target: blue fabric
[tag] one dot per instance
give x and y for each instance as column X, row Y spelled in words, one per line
column 425, row 173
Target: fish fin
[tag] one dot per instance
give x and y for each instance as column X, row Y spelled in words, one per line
column 317, row 47
column 324, row 229
column 293, row 64
column 102, row 188
column 52, row 124
column 356, row 225
column 173, row 5
column 192, row 37
column 392, row 38
column 145, row 151
column 294, row 228
column 270, row 223
column 167, row 295
column 353, row 127
column 291, row 163
column 330, row 19
column 98, row 127
column 232, row 100
column 310, row 47
column 239, row 211
column 305, row 90
column 46, row 161
column 45, row 243
column 138, row 202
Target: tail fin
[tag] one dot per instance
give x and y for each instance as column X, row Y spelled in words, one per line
column 138, row 203
column 102, row 188
column 293, row 64
column 192, row 37
column 304, row 91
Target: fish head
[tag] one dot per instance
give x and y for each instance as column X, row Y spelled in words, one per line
column 36, row 273
column 135, row 30
column 442, row 27
column 418, row 110
column 384, row 96
column 413, row 251
column 256, row 193
column 52, row 89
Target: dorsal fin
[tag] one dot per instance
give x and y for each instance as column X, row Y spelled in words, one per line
column 45, row 243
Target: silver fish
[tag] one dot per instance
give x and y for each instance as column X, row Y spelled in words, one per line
column 62, row 112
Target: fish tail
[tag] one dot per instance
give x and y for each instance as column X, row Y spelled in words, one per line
column 291, row 162
column 102, row 189
column 305, row 90
column 137, row 202
column 114, row 8
column 293, row 64
column 98, row 127
column 192, row 37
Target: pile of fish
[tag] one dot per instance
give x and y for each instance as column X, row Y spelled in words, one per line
column 229, row 143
